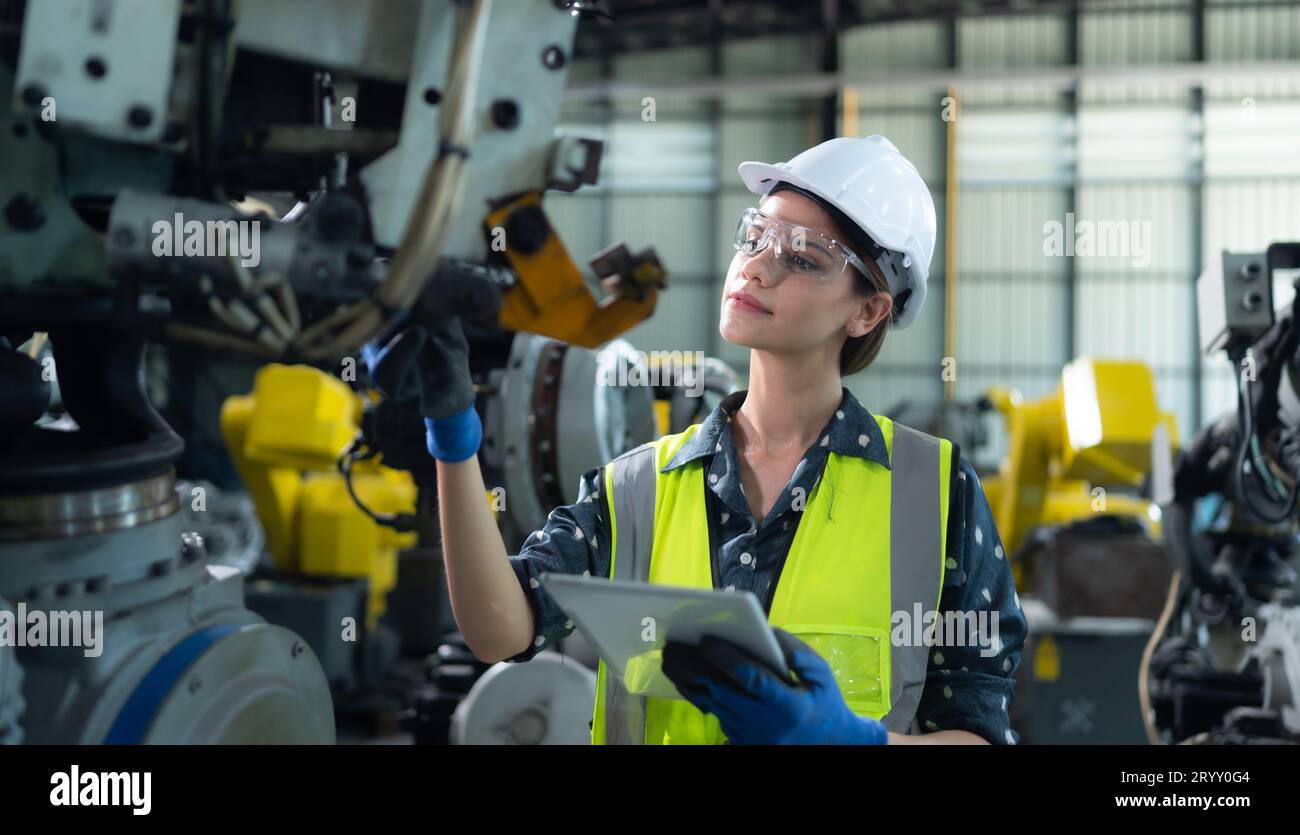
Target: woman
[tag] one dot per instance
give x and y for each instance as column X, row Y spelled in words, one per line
column 847, row 526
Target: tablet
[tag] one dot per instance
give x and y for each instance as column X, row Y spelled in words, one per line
column 628, row 623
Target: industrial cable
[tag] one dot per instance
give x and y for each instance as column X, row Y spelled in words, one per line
column 1260, row 465
column 402, row 522
column 423, row 239
column 1144, row 669
column 1239, row 470
column 425, row 235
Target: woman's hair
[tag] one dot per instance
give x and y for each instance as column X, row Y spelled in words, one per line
column 858, row 352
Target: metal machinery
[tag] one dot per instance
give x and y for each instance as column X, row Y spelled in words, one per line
column 544, row 702
column 285, row 438
column 552, row 412
column 333, row 565
column 11, row 693
column 402, row 147
column 548, row 418
column 1077, row 456
column 1072, row 508
column 1223, row 665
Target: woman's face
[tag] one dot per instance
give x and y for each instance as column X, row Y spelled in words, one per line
column 766, row 308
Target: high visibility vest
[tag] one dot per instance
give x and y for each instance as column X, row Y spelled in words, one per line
column 870, row 543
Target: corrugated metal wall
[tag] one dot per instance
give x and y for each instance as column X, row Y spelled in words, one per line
column 1187, row 178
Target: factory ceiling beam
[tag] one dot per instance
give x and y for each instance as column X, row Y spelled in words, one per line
column 1051, row 78
column 630, row 25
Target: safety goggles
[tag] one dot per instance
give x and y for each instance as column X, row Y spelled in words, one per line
column 798, row 249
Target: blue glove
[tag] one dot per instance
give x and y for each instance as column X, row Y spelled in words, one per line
column 426, row 368
column 454, row 438
column 756, row 706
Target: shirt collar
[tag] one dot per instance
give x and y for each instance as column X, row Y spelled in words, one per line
column 852, row 430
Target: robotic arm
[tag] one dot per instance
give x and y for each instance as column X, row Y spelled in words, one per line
column 1236, row 593
column 282, row 180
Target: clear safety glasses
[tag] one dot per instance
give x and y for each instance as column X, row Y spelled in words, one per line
column 800, row 250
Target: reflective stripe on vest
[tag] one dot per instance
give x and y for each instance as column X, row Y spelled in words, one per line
column 838, row 558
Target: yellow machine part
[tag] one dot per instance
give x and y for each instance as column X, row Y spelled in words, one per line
column 1069, row 501
column 338, row 540
column 274, row 490
column 552, row 299
column 1047, row 660
column 1109, row 412
column 302, row 417
column 285, row 438
column 663, row 417
column 1094, row 431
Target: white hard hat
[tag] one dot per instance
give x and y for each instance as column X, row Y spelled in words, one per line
column 876, row 187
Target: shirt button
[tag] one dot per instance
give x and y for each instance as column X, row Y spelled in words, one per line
column 746, row 558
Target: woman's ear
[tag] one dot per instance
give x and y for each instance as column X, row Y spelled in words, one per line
column 869, row 314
